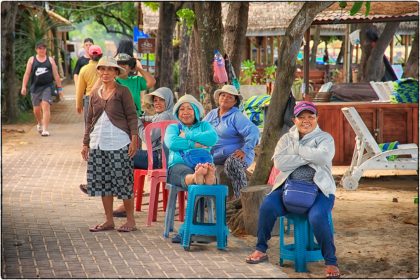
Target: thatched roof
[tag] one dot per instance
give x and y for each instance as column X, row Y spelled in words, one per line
column 379, row 12
column 272, row 18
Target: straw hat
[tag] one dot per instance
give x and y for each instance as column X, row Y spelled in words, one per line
column 228, row 89
column 109, row 61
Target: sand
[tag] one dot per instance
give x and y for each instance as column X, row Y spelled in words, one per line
column 376, row 231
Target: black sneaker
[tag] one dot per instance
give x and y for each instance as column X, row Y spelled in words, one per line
column 83, row 188
column 177, row 238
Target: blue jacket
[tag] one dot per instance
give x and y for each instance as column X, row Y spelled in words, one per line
column 201, row 132
column 236, row 132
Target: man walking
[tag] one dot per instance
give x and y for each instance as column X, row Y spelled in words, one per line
column 43, row 71
column 83, row 60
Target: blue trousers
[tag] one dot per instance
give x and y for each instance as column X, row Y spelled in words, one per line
column 140, row 160
column 272, row 207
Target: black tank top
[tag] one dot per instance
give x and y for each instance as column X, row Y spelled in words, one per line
column 41, row 73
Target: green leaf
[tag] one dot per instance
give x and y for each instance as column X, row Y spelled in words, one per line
column 342, row 4
column 367, row 5
column 356, row 7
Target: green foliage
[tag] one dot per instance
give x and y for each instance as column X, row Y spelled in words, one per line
column 367, row 5
column 356, row 7
column 187, row 17
column 342, row 4
column 115, row 17
column 248, row 68
column 269, row 72
column 154, row 6
column 94, row 30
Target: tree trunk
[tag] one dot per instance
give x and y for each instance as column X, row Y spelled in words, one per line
column 341, row 53
column 183, row 60
column 284, row 79
column 251, row 199
column 412, row 65
column 164, row 57
column 9, row 88
column 235, row 33
column 375, row 67
column 314, row 49
column 365, row 48
column 193, row 77
column 210, row 33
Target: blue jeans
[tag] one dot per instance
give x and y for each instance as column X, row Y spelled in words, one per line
column 140, row 160
column 272, row 207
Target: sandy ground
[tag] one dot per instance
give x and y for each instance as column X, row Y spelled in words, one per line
column 376, row 227
column 374, row 236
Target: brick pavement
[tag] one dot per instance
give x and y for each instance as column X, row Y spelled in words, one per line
column 45, row 220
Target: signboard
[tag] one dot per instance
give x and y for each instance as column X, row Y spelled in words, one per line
column 65, row 28
column 146, row 45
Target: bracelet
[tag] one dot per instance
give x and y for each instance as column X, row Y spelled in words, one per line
column 59, row 88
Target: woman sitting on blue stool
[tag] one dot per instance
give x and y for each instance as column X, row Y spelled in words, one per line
column 305, row 153
column 190, row 134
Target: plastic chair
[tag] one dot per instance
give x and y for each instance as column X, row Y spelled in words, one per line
column 155, row 177
column 368, row 156
column 170, row 208
column 216, row 228
column 304, row 249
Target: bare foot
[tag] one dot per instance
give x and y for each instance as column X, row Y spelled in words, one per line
column 199, row 174
column 210, row 178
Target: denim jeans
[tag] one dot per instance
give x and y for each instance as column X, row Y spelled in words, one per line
column 141, row 162
column 272, row 207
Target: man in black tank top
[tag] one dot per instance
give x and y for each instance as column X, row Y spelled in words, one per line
column 43, row 71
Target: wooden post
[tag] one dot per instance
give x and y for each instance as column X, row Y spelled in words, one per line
column 272, row 49
column 347, row 55
column 264, row 47
column 391, row 51
column 405, row 48
column 357, row 54
column 306, row 63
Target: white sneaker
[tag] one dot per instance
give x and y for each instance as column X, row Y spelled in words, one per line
column 45, row 133
column 39, row 128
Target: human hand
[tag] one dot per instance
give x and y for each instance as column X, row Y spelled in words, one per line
column 239, row 154
column 182, row 134
column 198, row 145
column 79, row 110
column 132, row 148
column 85, row 152
column 23, row 91
column 138, row 65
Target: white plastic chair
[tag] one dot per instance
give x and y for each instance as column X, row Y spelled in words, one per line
column 368, row 156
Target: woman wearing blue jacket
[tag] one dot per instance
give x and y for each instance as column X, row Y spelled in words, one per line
column 191, row 133
column 237, row 137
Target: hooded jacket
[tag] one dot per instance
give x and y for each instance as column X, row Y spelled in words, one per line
column 236, row 132
column 200, row 132
column 166, row 115
column 315, row 149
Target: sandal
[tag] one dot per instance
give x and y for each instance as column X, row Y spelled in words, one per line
column 332, row 272
column 126, row 229
column 252, row 260
column 102, row 227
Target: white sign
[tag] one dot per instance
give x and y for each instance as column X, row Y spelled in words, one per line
column 65, row 28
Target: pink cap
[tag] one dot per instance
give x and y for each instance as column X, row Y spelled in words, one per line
column 304, row 106
column 95, row 50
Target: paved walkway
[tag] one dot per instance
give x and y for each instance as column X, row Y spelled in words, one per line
column 45, row 220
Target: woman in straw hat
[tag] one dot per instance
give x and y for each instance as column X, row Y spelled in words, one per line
column 237, row 137
column 110, row 142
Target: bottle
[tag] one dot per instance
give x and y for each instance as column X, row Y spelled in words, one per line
column 220, row 75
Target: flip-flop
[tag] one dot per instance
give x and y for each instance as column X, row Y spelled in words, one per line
column 332, row 273
column 99, row 228
column 261, row 259
column 126, row 229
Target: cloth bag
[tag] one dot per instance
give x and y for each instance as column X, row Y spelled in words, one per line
column 299, row 196
column 195, row 156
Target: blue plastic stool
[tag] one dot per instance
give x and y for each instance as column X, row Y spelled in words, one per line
column 194, row 211
column 305, row 249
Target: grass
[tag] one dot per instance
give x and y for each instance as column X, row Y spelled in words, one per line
column 25, row 117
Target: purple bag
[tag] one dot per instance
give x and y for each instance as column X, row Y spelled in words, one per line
column 299, row 196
